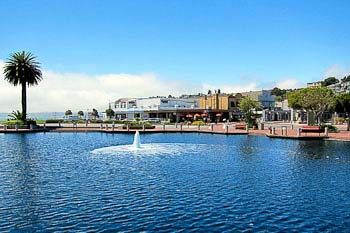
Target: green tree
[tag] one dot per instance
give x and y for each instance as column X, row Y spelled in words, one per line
column 330, row 81
column 109, row 113
column 80, row 113
column 346, row 79
column 23, row 69
column 316, row 100
column 95, row 113
column 247, row 105
column 278, row 92
column 343, row 105
column 68, row 112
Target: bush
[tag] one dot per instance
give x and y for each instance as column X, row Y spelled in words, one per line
column 54, row 121
column 339, row 120
column 20, row 122
column 137, row 125
column 126, row 122
column 198, row 123
column 30, row 122
column 40, row 121
column 108, row 122
column 331, row 128
column 96, row 121
column 14, row 122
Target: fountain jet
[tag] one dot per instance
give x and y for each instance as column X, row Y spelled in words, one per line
column 137, row 144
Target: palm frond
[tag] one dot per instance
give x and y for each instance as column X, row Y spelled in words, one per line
column 22, row 67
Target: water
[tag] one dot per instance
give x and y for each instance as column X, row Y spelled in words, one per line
column 36, row 115
column 53, row 182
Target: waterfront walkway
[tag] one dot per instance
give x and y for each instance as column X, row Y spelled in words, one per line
column 287, row 132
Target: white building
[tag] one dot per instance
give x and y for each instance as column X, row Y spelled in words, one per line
column 340, row 88
column 315, row 84
column 153, row 107
column 264, row 97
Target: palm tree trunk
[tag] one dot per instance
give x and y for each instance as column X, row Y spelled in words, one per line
column 24, row 101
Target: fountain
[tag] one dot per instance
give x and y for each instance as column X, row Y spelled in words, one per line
column 136, row 143
column 151, row 148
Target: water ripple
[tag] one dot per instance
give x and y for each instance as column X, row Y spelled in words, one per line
column 175, row 183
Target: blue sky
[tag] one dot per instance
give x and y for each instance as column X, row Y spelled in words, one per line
column 210, row 40
column 213, row 42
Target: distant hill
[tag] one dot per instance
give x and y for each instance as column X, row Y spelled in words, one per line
column 36, row 115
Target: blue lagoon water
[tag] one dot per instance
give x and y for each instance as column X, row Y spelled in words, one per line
column 60, row 182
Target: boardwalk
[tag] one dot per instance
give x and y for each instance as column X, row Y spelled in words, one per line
column 342, row 135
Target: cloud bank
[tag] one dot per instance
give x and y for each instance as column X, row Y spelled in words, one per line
column 289, row 84
column 75, row 91
column 336, row 71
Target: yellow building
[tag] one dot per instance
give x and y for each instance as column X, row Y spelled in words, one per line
column 220, row 102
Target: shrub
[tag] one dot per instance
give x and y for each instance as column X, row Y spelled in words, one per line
column 75, row 121
column 331, row 128
column 339, row 120
column 30, row 122
column 198, row 123
column 20, row 122
column 40, row 121
column 54, row 121
column 126, row 122
column 137, row 125
column 108, row 122
column 96, row 121
column 14, row 122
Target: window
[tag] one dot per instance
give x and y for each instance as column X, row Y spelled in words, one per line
column 233, row 104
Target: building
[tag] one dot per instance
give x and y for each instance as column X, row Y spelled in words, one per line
column 282, row 105
column 265, row 98
column 223, row 105
column 126, row 108
column 210, row 107
column 340, row 88
column 162, row 108
column 314, row 84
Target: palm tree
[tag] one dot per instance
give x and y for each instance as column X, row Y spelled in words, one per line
column 23, row 69
column 16, row 115
column 81, row 113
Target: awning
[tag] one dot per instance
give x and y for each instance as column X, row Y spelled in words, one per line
column 218, row 114
column 189, row 115
column 204, row 114
column 197, row 115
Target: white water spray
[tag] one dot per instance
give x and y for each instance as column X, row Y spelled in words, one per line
column 137, row 143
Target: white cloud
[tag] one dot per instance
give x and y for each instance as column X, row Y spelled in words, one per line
column 336, row 71
column 75, row 91
column 289, row 84
column 229, row 88
column 59, row 92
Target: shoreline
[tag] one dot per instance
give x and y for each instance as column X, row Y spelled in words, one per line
column 343, row 136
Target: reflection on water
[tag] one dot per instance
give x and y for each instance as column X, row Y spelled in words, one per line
column 195, row 182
